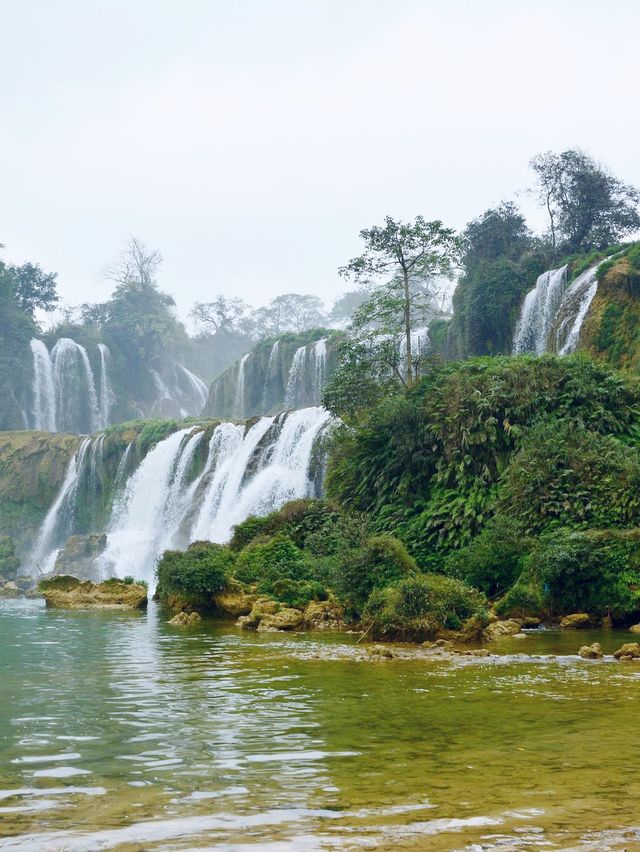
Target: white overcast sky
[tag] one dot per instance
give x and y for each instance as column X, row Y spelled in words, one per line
column 250, row 140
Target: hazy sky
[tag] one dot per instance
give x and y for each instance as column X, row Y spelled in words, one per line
column 250, row 140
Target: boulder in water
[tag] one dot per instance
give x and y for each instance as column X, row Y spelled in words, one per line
column 234, row 599
column 286, row 618
column 635, row 628
column 185, row 619
column 576, row 620
column 499, row 629
column 629, row 651
column 591, row 652
column 68, row 592
column 323, row 615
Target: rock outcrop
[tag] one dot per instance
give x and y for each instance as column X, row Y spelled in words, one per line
column 629, row 651
column 576, row 620
column 591, row 652
column 79, row 554
column 67, row 592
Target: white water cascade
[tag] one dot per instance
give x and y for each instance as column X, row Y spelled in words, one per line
column 198, row 387
column 43, row 389
column 172, row 499
column 107, row 397
column 239, row 402
column 295, row 378
column 539, row 311
column 70, row 360
column 58, row 522
column 573, row 310
column 269, row 375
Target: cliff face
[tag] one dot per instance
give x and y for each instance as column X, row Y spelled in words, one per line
column 611, row 330
column 32, row 469
column 289, row 372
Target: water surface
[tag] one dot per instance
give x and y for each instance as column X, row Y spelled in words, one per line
column 120, row 732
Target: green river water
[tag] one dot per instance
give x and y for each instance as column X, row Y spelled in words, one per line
column 120, row 732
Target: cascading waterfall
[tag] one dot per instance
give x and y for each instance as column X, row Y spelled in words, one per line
column 320, row 368
column 239, row 402
column 58, row 522
column 573, row 310
column 170, row 500
column 296, row 377
column 74, row 384
column 539, row 311
column 198, row 387
column 43, row 388
column 269, row 375
column 107, row 397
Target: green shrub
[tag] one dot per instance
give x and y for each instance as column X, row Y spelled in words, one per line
column 382, row 561
column 595, row 572
column 244, row 533
column 525, row 598
column 296, row 593
column 267, row 560
column 199, row 572
column 493, row 560
column 568, row 476
column 427, row 601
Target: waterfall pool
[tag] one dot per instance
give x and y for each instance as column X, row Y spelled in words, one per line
column 118, row 731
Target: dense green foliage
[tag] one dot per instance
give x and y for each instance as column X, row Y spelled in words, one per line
column 198, row 573
column 501, row 261
column 9, row 562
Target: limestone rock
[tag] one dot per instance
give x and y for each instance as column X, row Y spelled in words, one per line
column 508, row 627
column 234, row 599
column 185, row 619
column 576, row 620
column 286, row 618
column 520, row 636
column 591, row 652
column 67, row 592
column 629, row 651
column 635, row 628
column 323, row 615
column 261, row 609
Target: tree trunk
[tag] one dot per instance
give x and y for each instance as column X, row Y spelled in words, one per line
column 407, row 327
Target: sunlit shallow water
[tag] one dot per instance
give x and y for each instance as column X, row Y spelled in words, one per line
column 120, row 732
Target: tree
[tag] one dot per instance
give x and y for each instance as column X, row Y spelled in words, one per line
column 34, row 288
column 298, row 312
column 346, row 305
column 222, row 315
column 136, row 266
column 501, row 258
column 400, row 264
column 588, row 207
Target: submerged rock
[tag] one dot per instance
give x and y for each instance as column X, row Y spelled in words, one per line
column 591, row 652
column 68, row 592
column 380, row 651
column 629, row 651
column 576, row 620
column 185, row 619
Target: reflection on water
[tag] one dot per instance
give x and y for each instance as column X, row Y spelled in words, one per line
column 119, row 732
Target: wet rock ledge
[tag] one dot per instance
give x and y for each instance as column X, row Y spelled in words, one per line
column 67, row 592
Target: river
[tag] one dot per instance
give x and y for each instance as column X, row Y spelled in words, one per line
column 118, row 731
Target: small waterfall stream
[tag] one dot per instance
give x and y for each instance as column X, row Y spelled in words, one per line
column 539, row 311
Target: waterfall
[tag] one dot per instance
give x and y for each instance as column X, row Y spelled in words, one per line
column 75, row 387
column 240, row 402
column 43, row 389
column 282, row 475
column 295, row 378
column 59, row 519
column 200, row 390
column 573, row 310
column 107, row 397
column 269, row 376
column 320, row 368
column 138, row 525
column 539, row 311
